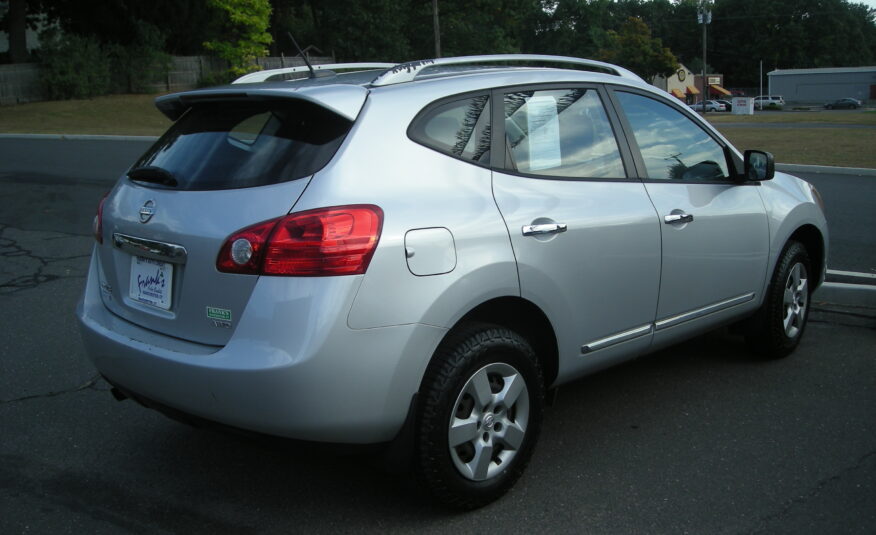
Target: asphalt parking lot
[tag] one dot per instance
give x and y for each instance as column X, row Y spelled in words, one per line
column 698, row 438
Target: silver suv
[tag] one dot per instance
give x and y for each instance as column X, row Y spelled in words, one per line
column 417, row 254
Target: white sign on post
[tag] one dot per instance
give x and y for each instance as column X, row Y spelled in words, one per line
column 743, row 106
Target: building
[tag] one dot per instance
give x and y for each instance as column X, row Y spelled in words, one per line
column 822, row 85
column 687, row 86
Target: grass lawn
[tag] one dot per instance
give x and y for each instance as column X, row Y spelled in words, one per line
column 131, row 115
column 841, row 147
column 832, row 117
column 136, row 115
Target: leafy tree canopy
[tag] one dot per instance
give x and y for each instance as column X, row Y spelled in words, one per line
column 781, row 33
column 244, row 35
column 634, row 48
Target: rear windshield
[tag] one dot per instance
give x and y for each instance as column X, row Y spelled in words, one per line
column 225, row 145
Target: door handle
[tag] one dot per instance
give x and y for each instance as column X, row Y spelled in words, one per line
column 547, row 228
column 677, row 218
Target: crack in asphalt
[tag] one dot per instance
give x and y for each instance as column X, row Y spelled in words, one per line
column 799, row 500
column 90, row 384
column 11, row 248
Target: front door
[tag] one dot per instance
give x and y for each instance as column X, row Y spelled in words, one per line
column 714, row 230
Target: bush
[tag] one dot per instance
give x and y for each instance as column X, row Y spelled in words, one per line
column 73, row 66
column 138, row 67
column 215, row 78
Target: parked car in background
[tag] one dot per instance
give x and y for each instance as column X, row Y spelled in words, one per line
column 844, row 103
column 417, row 254
column 711, row 105
column 769, row 102
column 728, row 106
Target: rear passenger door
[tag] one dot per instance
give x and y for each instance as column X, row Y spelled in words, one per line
column 714, row 229
column 584, row 233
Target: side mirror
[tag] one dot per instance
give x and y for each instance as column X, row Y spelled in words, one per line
column 759, row 165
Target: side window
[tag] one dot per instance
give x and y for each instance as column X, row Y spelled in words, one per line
column 460, row 128
column 672, row 145
column 562, row 133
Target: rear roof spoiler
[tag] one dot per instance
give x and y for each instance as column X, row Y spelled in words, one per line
column 262, row 76
column 345, row 100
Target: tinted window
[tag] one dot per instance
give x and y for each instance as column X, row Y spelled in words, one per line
column 672, row 145
column 560, row 132
column 243, row 144
column 460, row 128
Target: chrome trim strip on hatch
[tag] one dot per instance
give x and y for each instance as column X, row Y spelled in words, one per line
column 700, row 312
column 625, row 336
column 156, row 250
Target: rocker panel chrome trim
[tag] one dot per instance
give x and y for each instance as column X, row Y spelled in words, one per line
column 624, row 336
column 700, row 312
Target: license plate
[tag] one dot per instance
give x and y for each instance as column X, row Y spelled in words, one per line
column 151, row 282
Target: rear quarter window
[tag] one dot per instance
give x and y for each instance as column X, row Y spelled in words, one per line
column 459, row 127
column 226, row 145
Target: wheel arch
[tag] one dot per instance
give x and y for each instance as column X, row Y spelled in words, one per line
column 525, row 318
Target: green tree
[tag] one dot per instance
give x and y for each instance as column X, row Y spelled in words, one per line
column 244, row 35
column 634, row 48
column 362, row 30
column 73, row 66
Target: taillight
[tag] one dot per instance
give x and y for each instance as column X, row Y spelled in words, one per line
column 97, row 224
column 327, row 241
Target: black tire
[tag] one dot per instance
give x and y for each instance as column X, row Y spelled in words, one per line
column 781, row 320
column 506, row 435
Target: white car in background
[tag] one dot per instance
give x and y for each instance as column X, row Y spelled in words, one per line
column 711, row 105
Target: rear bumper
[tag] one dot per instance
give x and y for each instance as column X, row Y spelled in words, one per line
column 292, row 368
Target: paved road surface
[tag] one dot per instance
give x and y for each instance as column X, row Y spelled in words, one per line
column 850, row 204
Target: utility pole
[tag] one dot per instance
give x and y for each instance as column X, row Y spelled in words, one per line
column 437, row 28
column 761, row 78
column 704, row 17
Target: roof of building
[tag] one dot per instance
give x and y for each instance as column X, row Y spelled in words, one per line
column 830, row 70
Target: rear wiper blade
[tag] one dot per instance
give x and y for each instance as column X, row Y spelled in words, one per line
column 150, row 173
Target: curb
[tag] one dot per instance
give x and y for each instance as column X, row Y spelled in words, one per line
column 824, row 169
column 841, row 293
column 77, row 137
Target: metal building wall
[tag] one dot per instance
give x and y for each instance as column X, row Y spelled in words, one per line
column 820, row 87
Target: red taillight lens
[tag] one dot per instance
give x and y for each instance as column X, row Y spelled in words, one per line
column 327, row 241
column 97, row 224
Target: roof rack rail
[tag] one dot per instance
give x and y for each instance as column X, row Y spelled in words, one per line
column 261, row 76
column 406, row 72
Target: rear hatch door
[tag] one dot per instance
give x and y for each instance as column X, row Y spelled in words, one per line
column 224, row 165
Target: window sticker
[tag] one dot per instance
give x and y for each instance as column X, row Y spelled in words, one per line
column 544, row 133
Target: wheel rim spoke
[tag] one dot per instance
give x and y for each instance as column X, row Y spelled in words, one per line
column 462, row 431
column 513, row 388
column 480, row 465
column 479, row 388
column 512, row 435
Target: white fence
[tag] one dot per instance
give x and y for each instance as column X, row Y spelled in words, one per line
column 20, row 82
